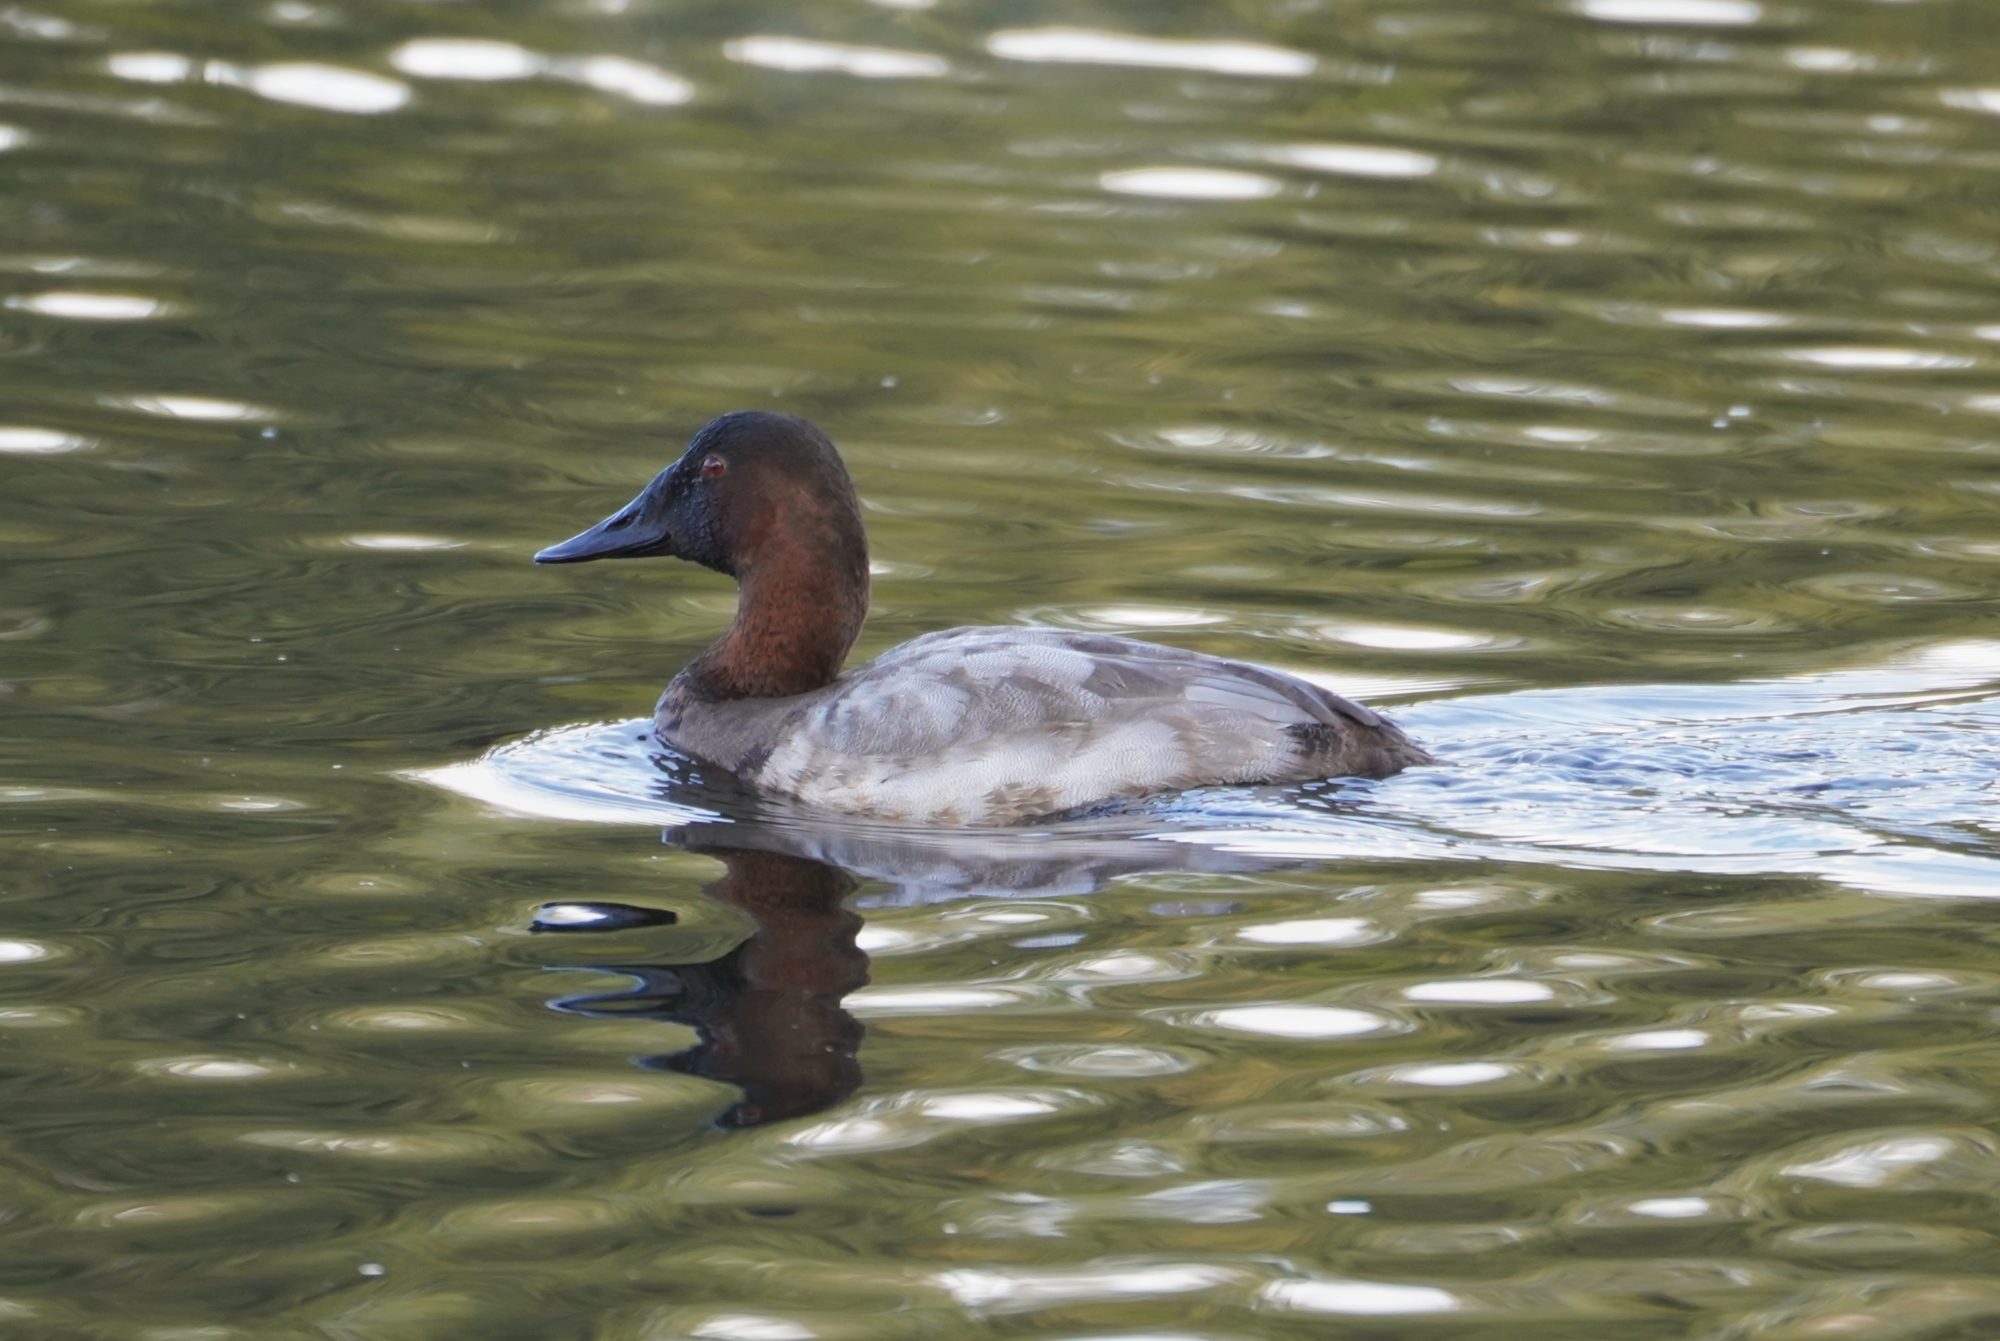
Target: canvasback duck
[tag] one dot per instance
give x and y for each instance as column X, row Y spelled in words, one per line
column 971, row 726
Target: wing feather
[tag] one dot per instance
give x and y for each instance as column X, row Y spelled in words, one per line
column 989, row 725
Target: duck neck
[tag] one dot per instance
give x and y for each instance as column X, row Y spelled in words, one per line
column 798, row 613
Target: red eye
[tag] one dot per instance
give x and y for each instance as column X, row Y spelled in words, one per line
column 712, row 467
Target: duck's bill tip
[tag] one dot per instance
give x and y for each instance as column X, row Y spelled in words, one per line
column 592, row 544
column 561, row 554
column 623, row 535
column 605, row 542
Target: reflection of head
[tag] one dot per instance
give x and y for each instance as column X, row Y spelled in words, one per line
column 768, row 1012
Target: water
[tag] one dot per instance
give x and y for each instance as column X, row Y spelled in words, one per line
column 1605, row 389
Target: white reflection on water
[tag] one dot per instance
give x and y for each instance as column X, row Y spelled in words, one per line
column 1023, row 1288
column 1702, row 13
column 465, row 58
column 150, row 67
column 1673, row 1208
column 750, row 1327
column 213, row 1068
column 1451, row 1075
column 75, row 306
column 1875, row 1163
column 1480, row 991
column 645, row 84
column 1658, row 1040
column 807, row 56
column 1315, row 931
column 1722, row 318
column 1191, row 183
column 1121, row 617
column 873, row 1001
column 401, row 543
column 1876, row 358
column 488, row 61
column 329, row 88
column 1829, row 60
column 1358, row 1297
column 986, row 1107
column 1403, row 638
column 1973, row 99
column 191, row 407
column 1297, row 1020
column 38, row 441
column 1355, row 160
column 1092, row 47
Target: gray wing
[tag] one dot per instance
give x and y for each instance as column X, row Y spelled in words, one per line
column 1039, row 719
column 959, row 685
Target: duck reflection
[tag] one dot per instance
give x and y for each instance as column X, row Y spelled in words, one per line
column 768, row 1013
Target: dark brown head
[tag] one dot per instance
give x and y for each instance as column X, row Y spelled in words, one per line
column 750, row 484
column 764, row 498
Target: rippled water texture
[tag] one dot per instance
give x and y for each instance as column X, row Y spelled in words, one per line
column 1605, row 387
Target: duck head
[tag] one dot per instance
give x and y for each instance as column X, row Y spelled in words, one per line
column 764, row 498
column 751, row 485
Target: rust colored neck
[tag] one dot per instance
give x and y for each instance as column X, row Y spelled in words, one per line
column 801, row 601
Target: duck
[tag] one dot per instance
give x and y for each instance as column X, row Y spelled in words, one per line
column 963, row 727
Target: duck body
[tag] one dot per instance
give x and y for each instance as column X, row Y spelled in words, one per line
column 983, row 726
column 967, row 726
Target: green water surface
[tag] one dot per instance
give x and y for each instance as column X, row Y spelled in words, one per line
column 1607, row 388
